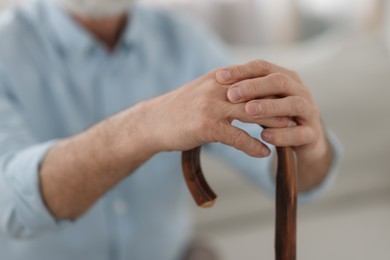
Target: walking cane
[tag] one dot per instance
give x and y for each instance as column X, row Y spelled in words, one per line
column 286, row 196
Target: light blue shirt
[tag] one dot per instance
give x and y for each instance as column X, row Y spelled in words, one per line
column 55, row 81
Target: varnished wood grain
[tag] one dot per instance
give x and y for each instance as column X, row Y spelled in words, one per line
column 286, row 205
column 199, row 188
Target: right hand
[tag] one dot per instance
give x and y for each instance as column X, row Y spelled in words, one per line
column 198, row 113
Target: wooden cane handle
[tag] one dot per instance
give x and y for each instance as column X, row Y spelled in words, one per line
column 193, row 174
column 286, row 196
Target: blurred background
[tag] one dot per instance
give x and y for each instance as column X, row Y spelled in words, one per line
column 341, row 49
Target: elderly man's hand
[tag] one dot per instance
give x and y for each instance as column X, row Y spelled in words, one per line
column 200, row 112
column 269, row 91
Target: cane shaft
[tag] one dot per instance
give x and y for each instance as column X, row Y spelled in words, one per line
column 286, row 205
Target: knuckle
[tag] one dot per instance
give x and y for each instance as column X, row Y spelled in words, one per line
column 208, row 129
column 240, row 70
column 262, row 66
column 238, row 139
column 299, row 105
column 281, row 81
column 252, row 88
column 274, row 107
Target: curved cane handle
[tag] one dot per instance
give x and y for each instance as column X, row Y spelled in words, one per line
column 197, row 184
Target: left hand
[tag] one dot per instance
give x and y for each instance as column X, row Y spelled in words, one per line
column 275, row 92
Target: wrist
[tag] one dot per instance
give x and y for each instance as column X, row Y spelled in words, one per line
column 123, row 137
column 143, row 127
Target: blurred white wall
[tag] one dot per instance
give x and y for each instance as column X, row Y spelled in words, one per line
column 7, row 3
column 278, row 22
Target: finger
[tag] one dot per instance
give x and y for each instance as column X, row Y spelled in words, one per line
column 275, row 84
column 276, row 122
column 293, row 136
column 291, row 106
column 242, row 141
column 250, row 70
column 238, row 112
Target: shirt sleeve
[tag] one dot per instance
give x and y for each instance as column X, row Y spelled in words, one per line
column 260, row 171
column 22, row 210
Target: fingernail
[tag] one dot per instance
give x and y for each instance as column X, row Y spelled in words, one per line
column 267, row 136
column 234, row 94
column 264, row 152
column 253, row 108
column 226, row 75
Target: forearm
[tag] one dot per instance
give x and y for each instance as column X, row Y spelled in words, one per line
column 79, row 170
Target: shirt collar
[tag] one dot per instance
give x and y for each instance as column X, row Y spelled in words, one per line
column 74, row 37
column 133, row 28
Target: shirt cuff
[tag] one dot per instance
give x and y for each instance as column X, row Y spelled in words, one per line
column 22, row 176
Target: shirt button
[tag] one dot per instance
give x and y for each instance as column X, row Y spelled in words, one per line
column 120, row 207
